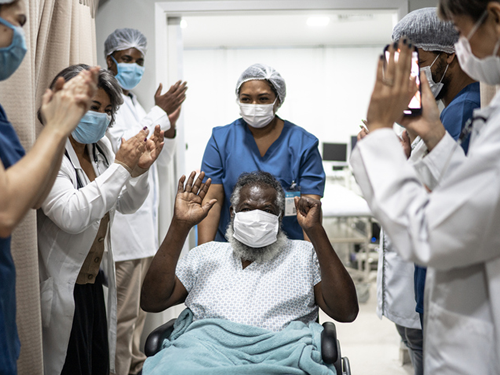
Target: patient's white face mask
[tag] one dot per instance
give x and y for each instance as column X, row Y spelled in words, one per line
column 256, row 228
column 257, row 115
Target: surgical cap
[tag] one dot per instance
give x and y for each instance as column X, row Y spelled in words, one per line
column 427, row 31
column 261, row 71
column 122, row 39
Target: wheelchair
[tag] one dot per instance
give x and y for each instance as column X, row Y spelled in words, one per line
column 330, row 346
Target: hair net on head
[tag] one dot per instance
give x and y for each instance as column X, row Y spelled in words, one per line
column 261, row 71
column 427, row 31
column 122, row 39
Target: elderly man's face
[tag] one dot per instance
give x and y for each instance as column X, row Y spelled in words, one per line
column 258, row 197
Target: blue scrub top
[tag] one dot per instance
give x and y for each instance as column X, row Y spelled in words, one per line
column 294, row 156
column 453, row 117
column 10, row 152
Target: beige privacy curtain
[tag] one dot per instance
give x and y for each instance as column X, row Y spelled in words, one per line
column 58, row 33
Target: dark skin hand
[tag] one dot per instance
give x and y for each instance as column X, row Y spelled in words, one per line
column 335, row 293
column 170, row 102
column 161, row 288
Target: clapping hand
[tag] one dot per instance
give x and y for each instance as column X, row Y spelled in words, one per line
column 308, row 213
column 67, row 102
column 393, row 88
column 154, row 145
column 428, row 126
column 131, row 150
column 188, row 209
column 173, row 98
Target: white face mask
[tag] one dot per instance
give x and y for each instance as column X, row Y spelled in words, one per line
column 435, row 87
column 256, row 228
column 485, row 70
column 257, row 115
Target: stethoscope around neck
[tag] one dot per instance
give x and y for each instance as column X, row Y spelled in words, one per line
column 96, row 152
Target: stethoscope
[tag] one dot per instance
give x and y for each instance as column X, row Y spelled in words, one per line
column 96, row 153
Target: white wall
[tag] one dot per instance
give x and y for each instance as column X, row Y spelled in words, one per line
column 328, row 90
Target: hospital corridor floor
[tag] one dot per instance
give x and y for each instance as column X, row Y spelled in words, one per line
column 372, row 345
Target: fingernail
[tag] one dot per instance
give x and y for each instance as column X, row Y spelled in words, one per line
column 405, row 41
column 144, row 128
column 381, row 57
column 395, row 45
column 145, row 139
column 410, row 45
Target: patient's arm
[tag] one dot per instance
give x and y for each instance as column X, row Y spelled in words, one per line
column 335, row 294
column 161, row 288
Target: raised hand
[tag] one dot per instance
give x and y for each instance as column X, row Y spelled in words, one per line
column 188, row 209
column 154, row 145
column 308, row 213
column 428, row 125
column 174, row 116
column 406, row 143
column 173, row 98
column 131, row 150
column 393, row 88
column 64, row 106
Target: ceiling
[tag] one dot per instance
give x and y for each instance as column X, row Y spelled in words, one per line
column 289, row 29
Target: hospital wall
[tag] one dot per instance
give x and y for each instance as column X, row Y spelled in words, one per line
column 328, row 87
column 328, row 90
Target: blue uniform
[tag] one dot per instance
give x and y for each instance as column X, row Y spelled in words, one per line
column 453, row 117
column 294, row 156
column 10, row 152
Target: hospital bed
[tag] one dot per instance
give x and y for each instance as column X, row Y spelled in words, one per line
column 347, row 219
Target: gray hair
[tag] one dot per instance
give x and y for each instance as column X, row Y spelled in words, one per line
column 258, row 178
column 106, row 81
column 447, row 9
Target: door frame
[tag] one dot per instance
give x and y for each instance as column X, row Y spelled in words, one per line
column 168, row 46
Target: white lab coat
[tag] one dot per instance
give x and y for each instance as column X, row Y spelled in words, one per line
column 395, row 276
column 67, row 225
column 136, row 236
column 395, row 287
column 454, row 231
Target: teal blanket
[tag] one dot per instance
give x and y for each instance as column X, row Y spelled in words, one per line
column 217, row 346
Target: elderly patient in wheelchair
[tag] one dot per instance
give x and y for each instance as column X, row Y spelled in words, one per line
column 252, row 303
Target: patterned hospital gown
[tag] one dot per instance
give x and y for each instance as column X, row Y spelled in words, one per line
column 268, row 295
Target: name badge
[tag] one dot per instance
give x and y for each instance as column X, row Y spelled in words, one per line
column 290, row 195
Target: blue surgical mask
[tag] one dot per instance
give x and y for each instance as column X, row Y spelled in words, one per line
column 91, row 128
column 129, row 75
column 12, row 56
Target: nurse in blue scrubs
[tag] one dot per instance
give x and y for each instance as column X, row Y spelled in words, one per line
column 25, row 180
column 260, row 141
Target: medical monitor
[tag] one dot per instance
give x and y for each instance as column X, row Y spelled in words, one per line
column 335, row 155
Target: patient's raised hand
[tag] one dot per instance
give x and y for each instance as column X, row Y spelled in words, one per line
column 308, row 213
column 189, row 210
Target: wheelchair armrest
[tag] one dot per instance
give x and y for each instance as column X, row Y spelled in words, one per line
column 330, row 351
column 346, row 366
column 155, row 339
